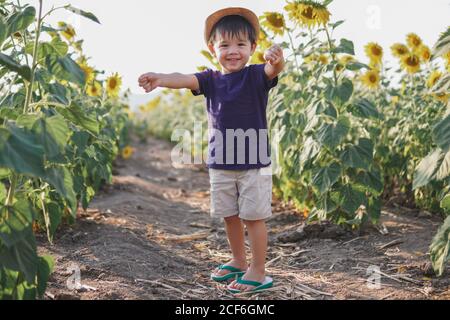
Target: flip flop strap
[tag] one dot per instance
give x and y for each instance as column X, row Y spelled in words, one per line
column 249, row 282
column 229, row 268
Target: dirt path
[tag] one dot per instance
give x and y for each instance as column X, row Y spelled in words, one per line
column 149, row 236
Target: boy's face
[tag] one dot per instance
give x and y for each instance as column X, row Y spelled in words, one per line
column 234, row 53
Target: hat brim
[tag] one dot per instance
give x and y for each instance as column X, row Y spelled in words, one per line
column 212, row 20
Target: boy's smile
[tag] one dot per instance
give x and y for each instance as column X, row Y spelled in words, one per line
column 233, row 53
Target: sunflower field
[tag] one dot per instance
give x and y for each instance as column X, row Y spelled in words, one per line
column 62, row 124
column 354, row 133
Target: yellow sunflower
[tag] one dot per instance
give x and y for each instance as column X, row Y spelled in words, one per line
column 127, row 152
column 424, row 53
column 263, row 40
column 413, row 41
column 433, row 78
column 375, row 53
column 88, row 72
column 310, row 59
column 94, row 89
column 323, row 59
column 67, row 30
column 308, row 13
column 258, row 58
column 399, row 50
column 274, row 21
column 442, row 97
column 395, row 99
column 113, row 84
column 371, row 79
column 411, row 63
column 346, row 59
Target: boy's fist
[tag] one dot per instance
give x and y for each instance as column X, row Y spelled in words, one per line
column 274, row 55
column 149, row 81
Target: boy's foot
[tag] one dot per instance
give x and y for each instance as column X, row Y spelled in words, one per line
column 250, row 275
column 223, row 272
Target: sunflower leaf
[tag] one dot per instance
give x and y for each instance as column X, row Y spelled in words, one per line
column 82, row 13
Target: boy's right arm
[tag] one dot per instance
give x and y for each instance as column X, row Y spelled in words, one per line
column 151, row 81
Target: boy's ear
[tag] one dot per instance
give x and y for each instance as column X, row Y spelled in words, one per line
column 254, row 45
column 211, row 49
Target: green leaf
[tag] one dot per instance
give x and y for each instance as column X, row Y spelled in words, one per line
column 3, row 31
column 21, row 20
column 55, row 214
column 52, row 133
column 16, row 222
column 427, row 169
column 336, row 24
column 21, row 152
column 80, row 12
column 44, row 270
column 61, row 179
column 352, row 199
column 66, row 69
column 56, row 47
column 355, row 66
column 12, row 65
column 439, row 249
column 346, row 46
column 22, row 256
column 58, row 92
column 358, row 156
column 445, row 203
column 3, row 193
column 345, row 90
column 80, row 117
column 371, row 181
column 310, row 150
column 364, row 109
column 332, row 134
column 441, row 133
column 326, row 177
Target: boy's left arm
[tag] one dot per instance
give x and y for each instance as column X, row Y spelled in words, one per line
column 275, row 61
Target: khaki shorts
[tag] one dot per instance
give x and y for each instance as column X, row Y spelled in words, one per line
column 247, row 193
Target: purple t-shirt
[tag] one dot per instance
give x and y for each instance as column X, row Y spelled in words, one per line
column 237, row 121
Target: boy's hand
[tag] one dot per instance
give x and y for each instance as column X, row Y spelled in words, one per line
column 150, row 81
column 274, row 55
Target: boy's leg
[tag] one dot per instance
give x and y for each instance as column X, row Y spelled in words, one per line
column 257, row 234
column 236, row 239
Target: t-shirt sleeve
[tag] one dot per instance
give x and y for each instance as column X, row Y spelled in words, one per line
column 262, row 79
column 205, row 82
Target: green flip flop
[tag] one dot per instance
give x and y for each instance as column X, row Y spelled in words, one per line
column 258, row 286
column 234, row 273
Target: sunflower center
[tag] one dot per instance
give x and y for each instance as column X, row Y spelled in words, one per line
column 275, row 20
column 308, row 13
column 113, row 83
column 373, row 78
column 376, row 51
column 412, row 61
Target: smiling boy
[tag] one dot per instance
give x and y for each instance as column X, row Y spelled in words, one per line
column 236, row 99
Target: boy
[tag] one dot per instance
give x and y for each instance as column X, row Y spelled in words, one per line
column 236, row 103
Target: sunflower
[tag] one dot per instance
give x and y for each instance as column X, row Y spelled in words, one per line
column 433, row 78
column 323, row 59
column 308, row 13
column 258, row 57
column 399, row 50
column 395, row 99
column 113, row 84
column 88, row 72
column 375, row 53
column 413, row 41
column 424, row 53
column 127, row 152
column 371, row 79
column 67, row 30
column 94, row 89
column 263, row 40
column 274, row 21
column 442, row 97
column 411, row 63
column 310, row 59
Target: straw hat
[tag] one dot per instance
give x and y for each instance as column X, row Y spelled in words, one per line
column 212, row 20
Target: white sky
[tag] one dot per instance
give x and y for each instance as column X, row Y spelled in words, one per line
column 138, row 36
